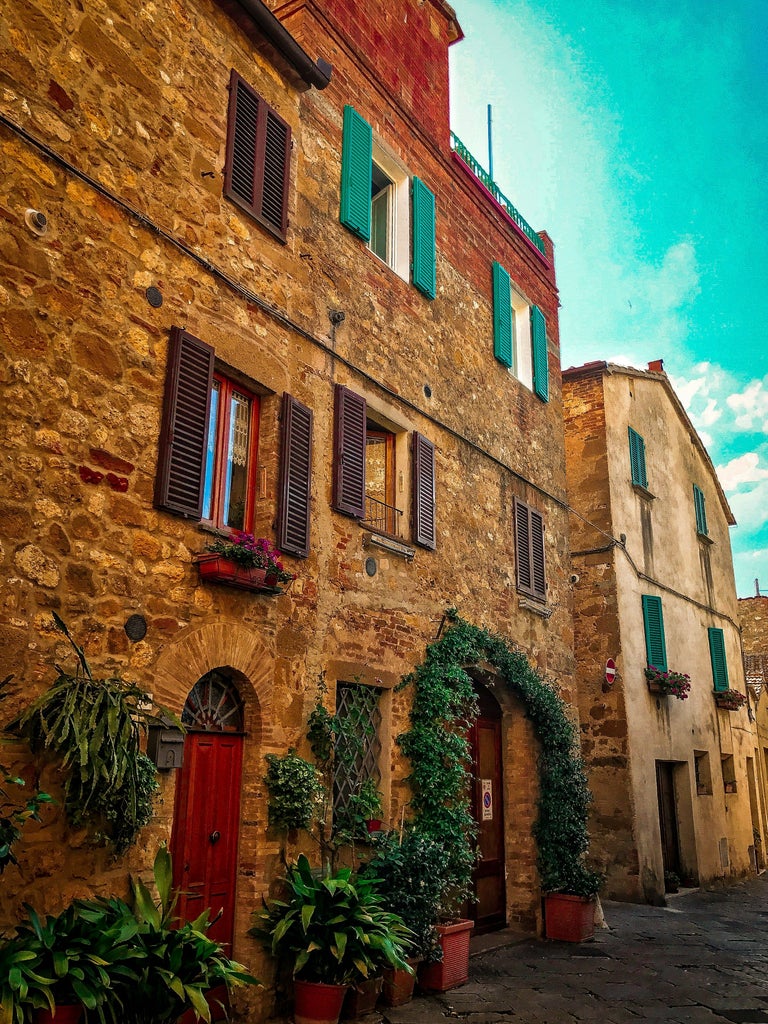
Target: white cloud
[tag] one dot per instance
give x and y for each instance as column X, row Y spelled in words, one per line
column 751, row 406
column 745, row 469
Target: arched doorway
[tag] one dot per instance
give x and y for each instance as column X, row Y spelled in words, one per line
column 489, row 876
column 206, row 818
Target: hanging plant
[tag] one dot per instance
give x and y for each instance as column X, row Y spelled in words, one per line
column 295, row 791
column 94, row 727
column 444, row 705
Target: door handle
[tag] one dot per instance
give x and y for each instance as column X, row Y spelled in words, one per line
column 214, row 837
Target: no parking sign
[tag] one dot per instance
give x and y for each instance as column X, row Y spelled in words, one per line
column 486, row 787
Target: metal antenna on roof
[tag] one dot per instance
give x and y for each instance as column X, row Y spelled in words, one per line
column 490, row 143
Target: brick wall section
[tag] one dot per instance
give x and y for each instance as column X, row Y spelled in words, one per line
column 138, row 100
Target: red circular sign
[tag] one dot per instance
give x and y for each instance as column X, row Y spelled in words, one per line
column 610, row 670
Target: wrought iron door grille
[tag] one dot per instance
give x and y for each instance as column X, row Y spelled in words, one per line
column 357, row 741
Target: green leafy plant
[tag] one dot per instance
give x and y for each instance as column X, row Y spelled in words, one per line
column 13, row 817
column 363, row 806
column 252, row 553
column 410, row 869
column 332, row 928
column 443, row 706
column 94, row 727
column 295, row 791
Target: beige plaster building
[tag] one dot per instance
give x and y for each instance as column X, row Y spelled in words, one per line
column 250, row 281
column 676, row 782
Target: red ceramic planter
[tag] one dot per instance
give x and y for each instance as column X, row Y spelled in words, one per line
column 64, row 1015
column 316, row 1003
column 568, row 918
column 215, row 568
column 453, row 969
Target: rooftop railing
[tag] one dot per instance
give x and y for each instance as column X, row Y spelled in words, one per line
column 482, row 175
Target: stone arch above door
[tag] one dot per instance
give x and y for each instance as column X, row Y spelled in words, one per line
column 219, row 644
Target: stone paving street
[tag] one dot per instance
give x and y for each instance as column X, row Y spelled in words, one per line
column 703, row 959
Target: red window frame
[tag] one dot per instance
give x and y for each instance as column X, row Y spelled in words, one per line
column 218, row 489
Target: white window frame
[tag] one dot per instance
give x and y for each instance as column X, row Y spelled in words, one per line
column 399, row 220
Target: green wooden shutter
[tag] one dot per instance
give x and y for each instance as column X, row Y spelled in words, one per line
column 540, row 358
column 637, row 458
column 653, row 620
column 356, row 158
column 701, row 511
column 502, row 315
column 424, row 264
column 717, row 655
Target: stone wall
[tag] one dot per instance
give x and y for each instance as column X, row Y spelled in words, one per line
column 129, row 109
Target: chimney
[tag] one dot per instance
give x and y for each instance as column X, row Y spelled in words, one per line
column 656, row 366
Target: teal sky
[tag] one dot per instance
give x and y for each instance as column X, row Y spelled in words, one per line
column 636, row 133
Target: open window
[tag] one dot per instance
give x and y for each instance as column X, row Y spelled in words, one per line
column 519, row 335
column 370, row 455
column 208, row 447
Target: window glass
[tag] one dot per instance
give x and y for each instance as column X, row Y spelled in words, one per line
column 381, row 194
column 229, row 457
column 357, row 747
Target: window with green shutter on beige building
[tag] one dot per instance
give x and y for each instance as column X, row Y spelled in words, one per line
column 383, row 206
column 653, row 622
column 717, row 657
column 700, row 511
column 637, row 458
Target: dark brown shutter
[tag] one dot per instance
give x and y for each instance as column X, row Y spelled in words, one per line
column 349, row 452
column 529, row 550
column 539, row 582
column 184, row 428
column 523, row 547
column 257, row 166
column 295, row 477
column 423, row 519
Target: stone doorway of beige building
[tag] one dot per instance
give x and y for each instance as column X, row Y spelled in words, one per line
column 489, row 876
column 668, row 818
column 204, row 838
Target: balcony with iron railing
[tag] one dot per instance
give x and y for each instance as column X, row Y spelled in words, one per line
column 381, row 517
column 488, row 183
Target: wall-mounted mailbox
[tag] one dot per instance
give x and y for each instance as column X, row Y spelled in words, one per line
column 165, row 745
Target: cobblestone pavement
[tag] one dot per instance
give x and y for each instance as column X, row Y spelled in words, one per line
column 703, row 959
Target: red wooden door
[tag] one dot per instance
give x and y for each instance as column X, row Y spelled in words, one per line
column 487, row 808
column 205, row 828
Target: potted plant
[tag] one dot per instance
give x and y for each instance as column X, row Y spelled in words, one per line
column 333, row 931
column 244, row 561
column 360, row 817
column 411, row 867
column 94, row 727
column 671, row 882
column 569, row 909
column 667, row 683
column 729, row 700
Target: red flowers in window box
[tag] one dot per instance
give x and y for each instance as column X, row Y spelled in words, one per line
column 730, row 700
column 667, row 683
column 241, row 560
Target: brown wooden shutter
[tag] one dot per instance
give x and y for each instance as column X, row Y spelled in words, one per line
column 257, row 166
column 349, row 435
column 295, row 477
column 523, row 547
column 423, row 517
column 529, row 550
column 184, row 428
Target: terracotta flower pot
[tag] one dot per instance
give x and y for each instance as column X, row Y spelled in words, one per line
column 373, row 825
column 361, row 998
column 317, row 1003
column 453, row 969
column 64, row 1015
column 398, row 985
column 569, row 918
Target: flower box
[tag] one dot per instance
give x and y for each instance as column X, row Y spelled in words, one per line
column 729, row 700
column 569, row 918
column 453, row 969
column 666, row 683
column 215, row 568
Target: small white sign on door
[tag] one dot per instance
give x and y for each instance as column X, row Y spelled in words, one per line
column 486, row 789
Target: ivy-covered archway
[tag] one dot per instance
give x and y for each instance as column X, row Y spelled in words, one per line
column 444, row 704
